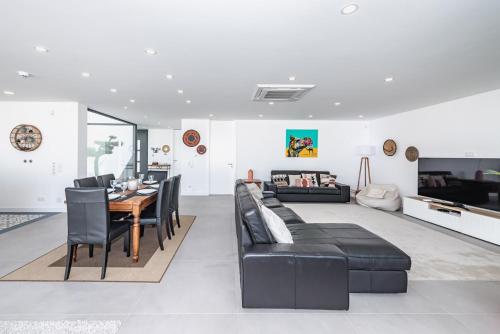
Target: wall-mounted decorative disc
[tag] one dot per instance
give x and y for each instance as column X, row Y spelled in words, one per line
column 26, row 137
column 165, row 149
column 191, row 138
column 411, row 153
column 201, row 149
column 390, row 147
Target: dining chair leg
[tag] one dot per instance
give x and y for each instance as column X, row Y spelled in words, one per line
column 91, row 250
column 160, row 235
column 167, row 228
column 172, row 223
column 177, row 218
column 69, row 261
column 126, row 243
column 104, row 259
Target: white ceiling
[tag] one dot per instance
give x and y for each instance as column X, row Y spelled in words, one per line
column 218, row 51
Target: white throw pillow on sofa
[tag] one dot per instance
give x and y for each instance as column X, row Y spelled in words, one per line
column 376, row 193
column 292, row 179
column 255, row 191
column 277, row 226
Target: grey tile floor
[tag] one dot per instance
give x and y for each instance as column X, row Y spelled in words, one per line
column 200, row 291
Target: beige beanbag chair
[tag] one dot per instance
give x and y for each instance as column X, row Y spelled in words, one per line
column 380, row 196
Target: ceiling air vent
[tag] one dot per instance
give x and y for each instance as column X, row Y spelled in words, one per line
column 281, row 93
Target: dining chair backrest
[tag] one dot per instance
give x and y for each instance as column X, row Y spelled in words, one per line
column 158, row 175
column 105, row 180
column 163, row 200
column 86, row 182
column 88, row 215
column 176, row 191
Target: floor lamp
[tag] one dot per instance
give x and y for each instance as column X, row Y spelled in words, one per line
column 365, row 151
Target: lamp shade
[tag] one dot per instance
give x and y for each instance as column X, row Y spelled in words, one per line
column 365, row 150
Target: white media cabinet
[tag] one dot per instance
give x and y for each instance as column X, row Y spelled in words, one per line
column 478, row 223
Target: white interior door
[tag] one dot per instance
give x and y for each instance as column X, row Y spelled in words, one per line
column 176, row 165
column 222, row 156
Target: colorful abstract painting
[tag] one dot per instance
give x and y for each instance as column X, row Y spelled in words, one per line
column 301, row 143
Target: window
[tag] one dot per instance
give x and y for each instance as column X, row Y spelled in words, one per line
column 110, row 146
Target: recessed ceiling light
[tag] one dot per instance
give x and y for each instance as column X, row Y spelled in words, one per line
column 145, row 116
column 349, row 9
column 337, row 104
column 132, row 101
column 292, row 78
column 8, row 92
column 211, row 115
column 310, row 116
column 361, row 116
column 86, row 74
column 113, row 90
column 271, row 103
column 188, row 101
column 159, row 123
column 180, row 91
column 169, row 76
column 24, row 74
column 125, row 107
column 41, row 49
column 260, row 115
column 151, row 52
column 389, row 79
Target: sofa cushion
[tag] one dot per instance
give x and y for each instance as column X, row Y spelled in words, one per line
column 252, row 217
column 326, row 190
column 277, row 226
column 292, row 190
column 288, row 215
column 271, row 202
column 365, row 250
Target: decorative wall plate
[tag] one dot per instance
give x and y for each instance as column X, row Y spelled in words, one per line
column 390, row 147
column 201, row 149
column 25, row 137
column 411, row 153
column 191, row 138
column 165, row 149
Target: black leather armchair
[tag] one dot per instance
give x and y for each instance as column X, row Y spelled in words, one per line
column 89, row 223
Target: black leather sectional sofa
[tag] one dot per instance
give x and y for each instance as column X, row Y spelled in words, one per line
column 321, row 267
column 341, row 192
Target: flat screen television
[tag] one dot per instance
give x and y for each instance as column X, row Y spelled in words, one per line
column 467, row 181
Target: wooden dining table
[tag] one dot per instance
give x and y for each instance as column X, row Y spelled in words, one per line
column 134, row 205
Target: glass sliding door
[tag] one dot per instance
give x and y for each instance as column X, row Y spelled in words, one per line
column 111, row 146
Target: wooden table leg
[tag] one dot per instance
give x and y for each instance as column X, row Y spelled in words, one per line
column 136, row 235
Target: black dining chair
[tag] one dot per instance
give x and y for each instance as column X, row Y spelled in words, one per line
column 86, row 182
column 105, row 180
column 158, row 214
column 89, row 223
column 174, row 203
column 158, row 175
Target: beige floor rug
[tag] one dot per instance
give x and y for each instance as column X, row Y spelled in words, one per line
column 152, row 264
column 435, row 255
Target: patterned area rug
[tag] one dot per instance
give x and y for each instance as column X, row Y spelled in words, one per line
column 60, row 327
column 11, row 220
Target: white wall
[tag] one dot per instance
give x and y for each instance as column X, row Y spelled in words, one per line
column 461, row 128
column 260, row 145
column 195, row 167
column 39, row 186
column 158, row 138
